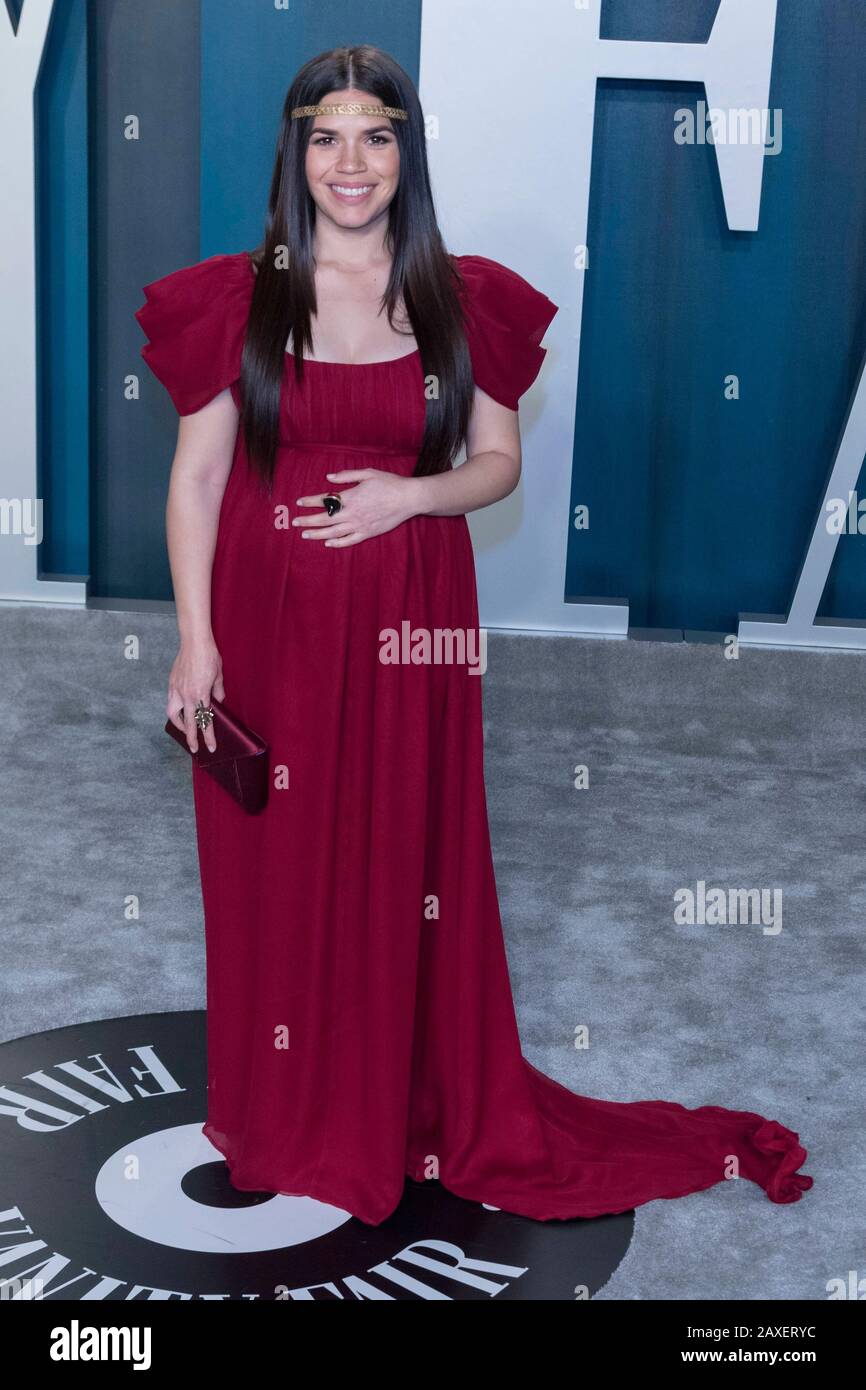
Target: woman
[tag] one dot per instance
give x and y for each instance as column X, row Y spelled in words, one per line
column 360, row 1019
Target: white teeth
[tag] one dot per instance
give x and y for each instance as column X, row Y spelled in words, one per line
column 352, row 192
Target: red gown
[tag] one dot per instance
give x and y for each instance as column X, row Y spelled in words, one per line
column 403, row 1054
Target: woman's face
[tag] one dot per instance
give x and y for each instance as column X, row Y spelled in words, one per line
column 352, row 152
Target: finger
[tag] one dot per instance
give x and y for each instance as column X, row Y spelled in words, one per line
column 208, row 734
column 218, row 694
column 352, row 475
column 318, row 519
column 190, row 726
column 318, row 499
column 174, row 710
column 352, row 539
column 342, row 528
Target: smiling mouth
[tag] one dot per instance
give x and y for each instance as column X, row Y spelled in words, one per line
column 351, row 193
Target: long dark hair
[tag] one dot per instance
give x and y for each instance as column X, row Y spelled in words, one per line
column 422, row 272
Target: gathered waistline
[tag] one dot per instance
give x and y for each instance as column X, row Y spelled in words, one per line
column 350, row 449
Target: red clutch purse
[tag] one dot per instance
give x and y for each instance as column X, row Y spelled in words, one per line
column 240, row 761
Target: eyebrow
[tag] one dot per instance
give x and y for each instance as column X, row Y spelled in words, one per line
column 372, row 130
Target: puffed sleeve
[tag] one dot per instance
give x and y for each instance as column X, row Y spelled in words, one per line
column 505, row 319
column 195, row 320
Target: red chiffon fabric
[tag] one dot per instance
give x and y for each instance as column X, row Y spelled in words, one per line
column 357, row 1034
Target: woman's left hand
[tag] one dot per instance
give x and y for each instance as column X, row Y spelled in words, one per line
column 377, row 503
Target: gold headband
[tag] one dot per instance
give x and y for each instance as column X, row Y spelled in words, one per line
column 351, row 108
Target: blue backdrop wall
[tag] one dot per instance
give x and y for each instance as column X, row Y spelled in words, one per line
column 701, row 507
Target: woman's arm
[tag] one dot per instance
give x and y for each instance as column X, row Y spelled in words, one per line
column 491, row 470
column 383, row 500
column 202, row 463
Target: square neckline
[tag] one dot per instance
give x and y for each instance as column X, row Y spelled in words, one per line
column 382, row 362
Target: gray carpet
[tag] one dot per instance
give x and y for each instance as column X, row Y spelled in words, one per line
column 744, row 774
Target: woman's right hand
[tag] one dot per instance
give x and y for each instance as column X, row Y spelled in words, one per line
column 196, row 675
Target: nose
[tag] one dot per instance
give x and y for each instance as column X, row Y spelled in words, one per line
column 352, row 158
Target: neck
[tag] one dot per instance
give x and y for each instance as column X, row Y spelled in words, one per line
column 352, row 248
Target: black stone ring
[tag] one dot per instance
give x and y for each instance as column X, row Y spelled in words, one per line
column 333, row 503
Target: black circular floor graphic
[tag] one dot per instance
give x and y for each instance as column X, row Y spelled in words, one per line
column 110, row 1191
